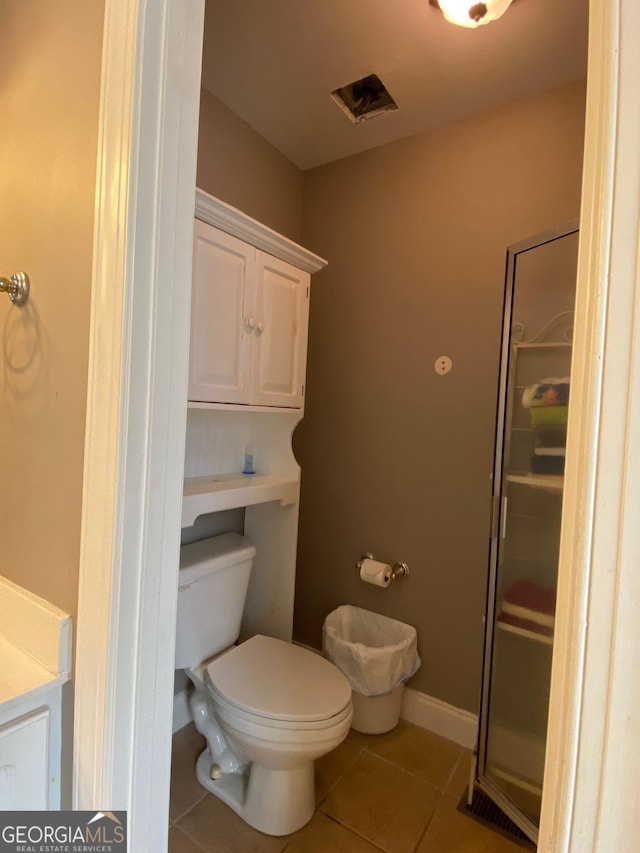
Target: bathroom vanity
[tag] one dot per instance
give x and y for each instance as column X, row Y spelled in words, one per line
column 249, row 318
column 35, row 663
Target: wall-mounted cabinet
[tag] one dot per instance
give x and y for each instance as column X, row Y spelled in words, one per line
column 249, row 318
column 249, row 322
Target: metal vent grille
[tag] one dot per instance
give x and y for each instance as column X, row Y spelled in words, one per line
column 363, row 99
column 484, row 810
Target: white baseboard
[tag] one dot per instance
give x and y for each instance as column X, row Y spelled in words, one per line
column 439, row 717
column 181, row 711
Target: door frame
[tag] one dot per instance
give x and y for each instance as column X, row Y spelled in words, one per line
column 593, row 743
column 136, row 412
column 136, row 423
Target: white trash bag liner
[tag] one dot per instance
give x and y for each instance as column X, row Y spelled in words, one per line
column 374, row 652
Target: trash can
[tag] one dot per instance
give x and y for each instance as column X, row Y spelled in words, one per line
column 377, row 655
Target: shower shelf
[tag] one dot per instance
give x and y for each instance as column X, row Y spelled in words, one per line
column 229, row 491
column 550, row 482
column 523, row 632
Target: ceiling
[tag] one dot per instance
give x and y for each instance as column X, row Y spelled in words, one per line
column 275, row 62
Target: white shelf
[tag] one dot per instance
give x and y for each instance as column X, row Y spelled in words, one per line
column 544, row 345
column 549, row 482
column 515, row 780
column 240, row 407
column 229, row 491
column 517, row 752
column 545, row 639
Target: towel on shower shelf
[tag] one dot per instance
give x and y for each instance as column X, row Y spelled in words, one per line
column 531, row 602
column 553, row 450
column 547, row 392
column 544, row 416
column 550, row 436
column 547, row 464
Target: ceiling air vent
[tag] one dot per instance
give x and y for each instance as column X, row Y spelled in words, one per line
column 364, row 99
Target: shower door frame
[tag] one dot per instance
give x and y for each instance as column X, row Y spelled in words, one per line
column 482, row 781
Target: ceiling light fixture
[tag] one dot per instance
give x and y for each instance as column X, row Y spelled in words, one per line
column 467, row 13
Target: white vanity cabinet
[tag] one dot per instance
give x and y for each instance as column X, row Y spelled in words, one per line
column 25, row 762
column 249, row 317
column 35, row 663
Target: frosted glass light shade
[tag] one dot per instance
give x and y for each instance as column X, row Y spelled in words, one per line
column 467, row 13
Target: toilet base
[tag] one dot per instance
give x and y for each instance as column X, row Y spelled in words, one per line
column 276, row 802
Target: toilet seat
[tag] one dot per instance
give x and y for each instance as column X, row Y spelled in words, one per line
column 273, row 683
column 248, row 722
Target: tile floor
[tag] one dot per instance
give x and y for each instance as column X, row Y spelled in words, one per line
column 395, row 793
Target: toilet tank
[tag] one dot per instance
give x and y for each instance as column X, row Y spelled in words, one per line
column 212, row 587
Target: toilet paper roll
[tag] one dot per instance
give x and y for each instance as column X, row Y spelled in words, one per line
column 375, row 572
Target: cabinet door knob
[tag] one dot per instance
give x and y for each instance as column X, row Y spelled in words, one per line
column 260, row 327
column 251, row 323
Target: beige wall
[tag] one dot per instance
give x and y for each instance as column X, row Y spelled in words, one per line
column 49, row 98
column 238, row 166
column 396, row 459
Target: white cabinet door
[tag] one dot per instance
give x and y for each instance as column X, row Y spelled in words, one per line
column 222, row 300
column 280, row 337
column 24, row 755
column 249, row 317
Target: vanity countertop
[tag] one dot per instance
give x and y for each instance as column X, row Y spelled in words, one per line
column 35, row 662
column 35, row 649
column 22, row 678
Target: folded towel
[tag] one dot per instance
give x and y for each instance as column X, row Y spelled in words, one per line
column 541, row 450
column 553, row 435
column 548, row 415
column 547, row 464
column 530, row 601
column 547, row 392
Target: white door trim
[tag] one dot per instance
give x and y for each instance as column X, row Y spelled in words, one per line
column 136, row 411
column 593, row 747
column 135, row 433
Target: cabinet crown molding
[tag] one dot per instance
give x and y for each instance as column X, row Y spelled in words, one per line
column 233, row 221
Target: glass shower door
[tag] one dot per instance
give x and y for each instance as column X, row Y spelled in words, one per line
column 528, row 488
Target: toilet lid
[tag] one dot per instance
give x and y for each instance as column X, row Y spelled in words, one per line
column 277, row 680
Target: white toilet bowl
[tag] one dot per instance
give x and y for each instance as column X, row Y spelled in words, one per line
column 279, row 707
column 267, row 708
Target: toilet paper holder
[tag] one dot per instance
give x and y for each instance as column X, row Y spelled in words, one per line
column 397, row 570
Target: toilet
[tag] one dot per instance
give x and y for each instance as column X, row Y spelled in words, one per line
column 266, row 707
